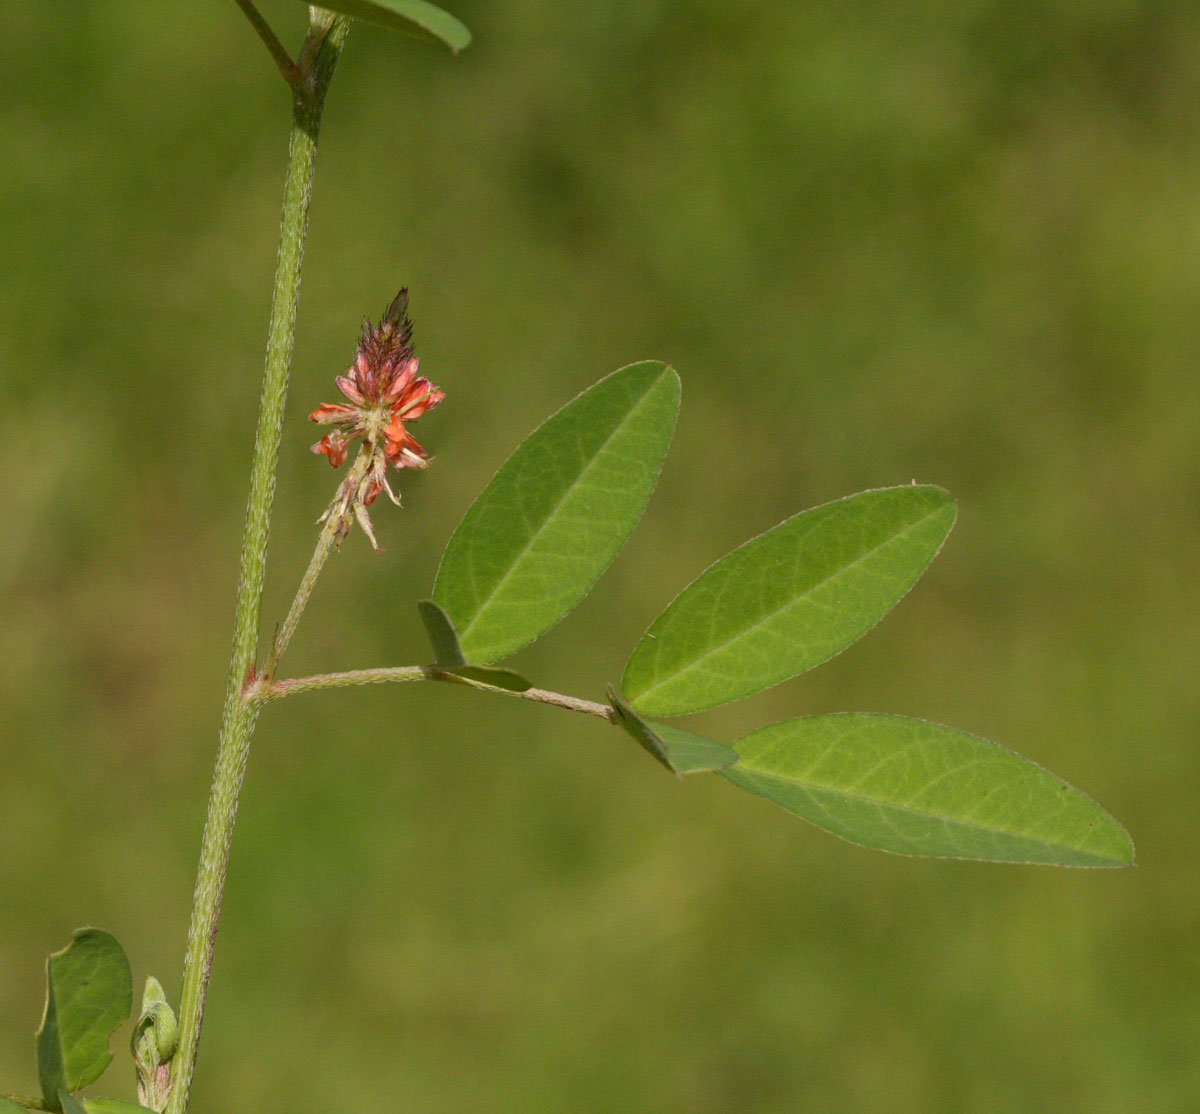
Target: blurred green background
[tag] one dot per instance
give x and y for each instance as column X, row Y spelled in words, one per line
column 955, row 242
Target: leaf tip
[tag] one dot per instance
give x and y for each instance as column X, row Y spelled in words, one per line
column 672, row 376
column 1130, row 850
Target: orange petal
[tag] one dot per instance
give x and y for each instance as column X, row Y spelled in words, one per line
column 396, row 434
column 333, row 446
column 424, row 396
column 330, row 412
column 409, row 456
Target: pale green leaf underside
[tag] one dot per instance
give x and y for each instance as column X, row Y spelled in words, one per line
column 7, row 1106
column 442, row 635
column 505, row 679
column 917, row 788
column 413, row 17
column 540, row 534
column 681, row 752
column 787, row 600
column 640, row 731
column 89, row 992
column 693, row 754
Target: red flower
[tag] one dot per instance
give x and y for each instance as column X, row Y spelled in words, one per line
column 383, row 391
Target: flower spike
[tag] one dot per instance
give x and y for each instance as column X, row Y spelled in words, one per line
column 382, row 392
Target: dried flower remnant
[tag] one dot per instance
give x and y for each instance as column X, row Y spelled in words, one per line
column 383, row 391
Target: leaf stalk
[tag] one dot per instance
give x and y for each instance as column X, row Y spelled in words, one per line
column 402, row 673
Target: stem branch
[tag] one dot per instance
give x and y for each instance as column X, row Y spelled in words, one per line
column 326, row 543
column 237, row 723
column 289, row 69
column 337, row 526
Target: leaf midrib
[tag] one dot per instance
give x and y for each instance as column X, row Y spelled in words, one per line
column 859, row 797
column 747, row 631
column 499, row 584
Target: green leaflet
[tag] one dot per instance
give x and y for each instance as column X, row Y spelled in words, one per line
column 918, row 788
column 89, row 992
column 543, row 530
column 413, row 17
column 787, row 600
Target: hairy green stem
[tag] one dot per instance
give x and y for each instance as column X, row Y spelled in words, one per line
column 273, row 691
column 237, row 724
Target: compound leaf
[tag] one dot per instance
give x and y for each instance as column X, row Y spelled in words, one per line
column 917, row 788
column 787, row 600
column 543, row 530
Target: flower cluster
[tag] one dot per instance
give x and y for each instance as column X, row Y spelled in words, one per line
column 383, row 391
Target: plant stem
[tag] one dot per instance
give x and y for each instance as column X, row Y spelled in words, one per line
column 337, row 525
column 237, row 724
column 289, row 69
column 326, row 543
column 427, row 673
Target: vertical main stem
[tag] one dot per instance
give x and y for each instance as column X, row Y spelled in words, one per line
column 238, row 719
